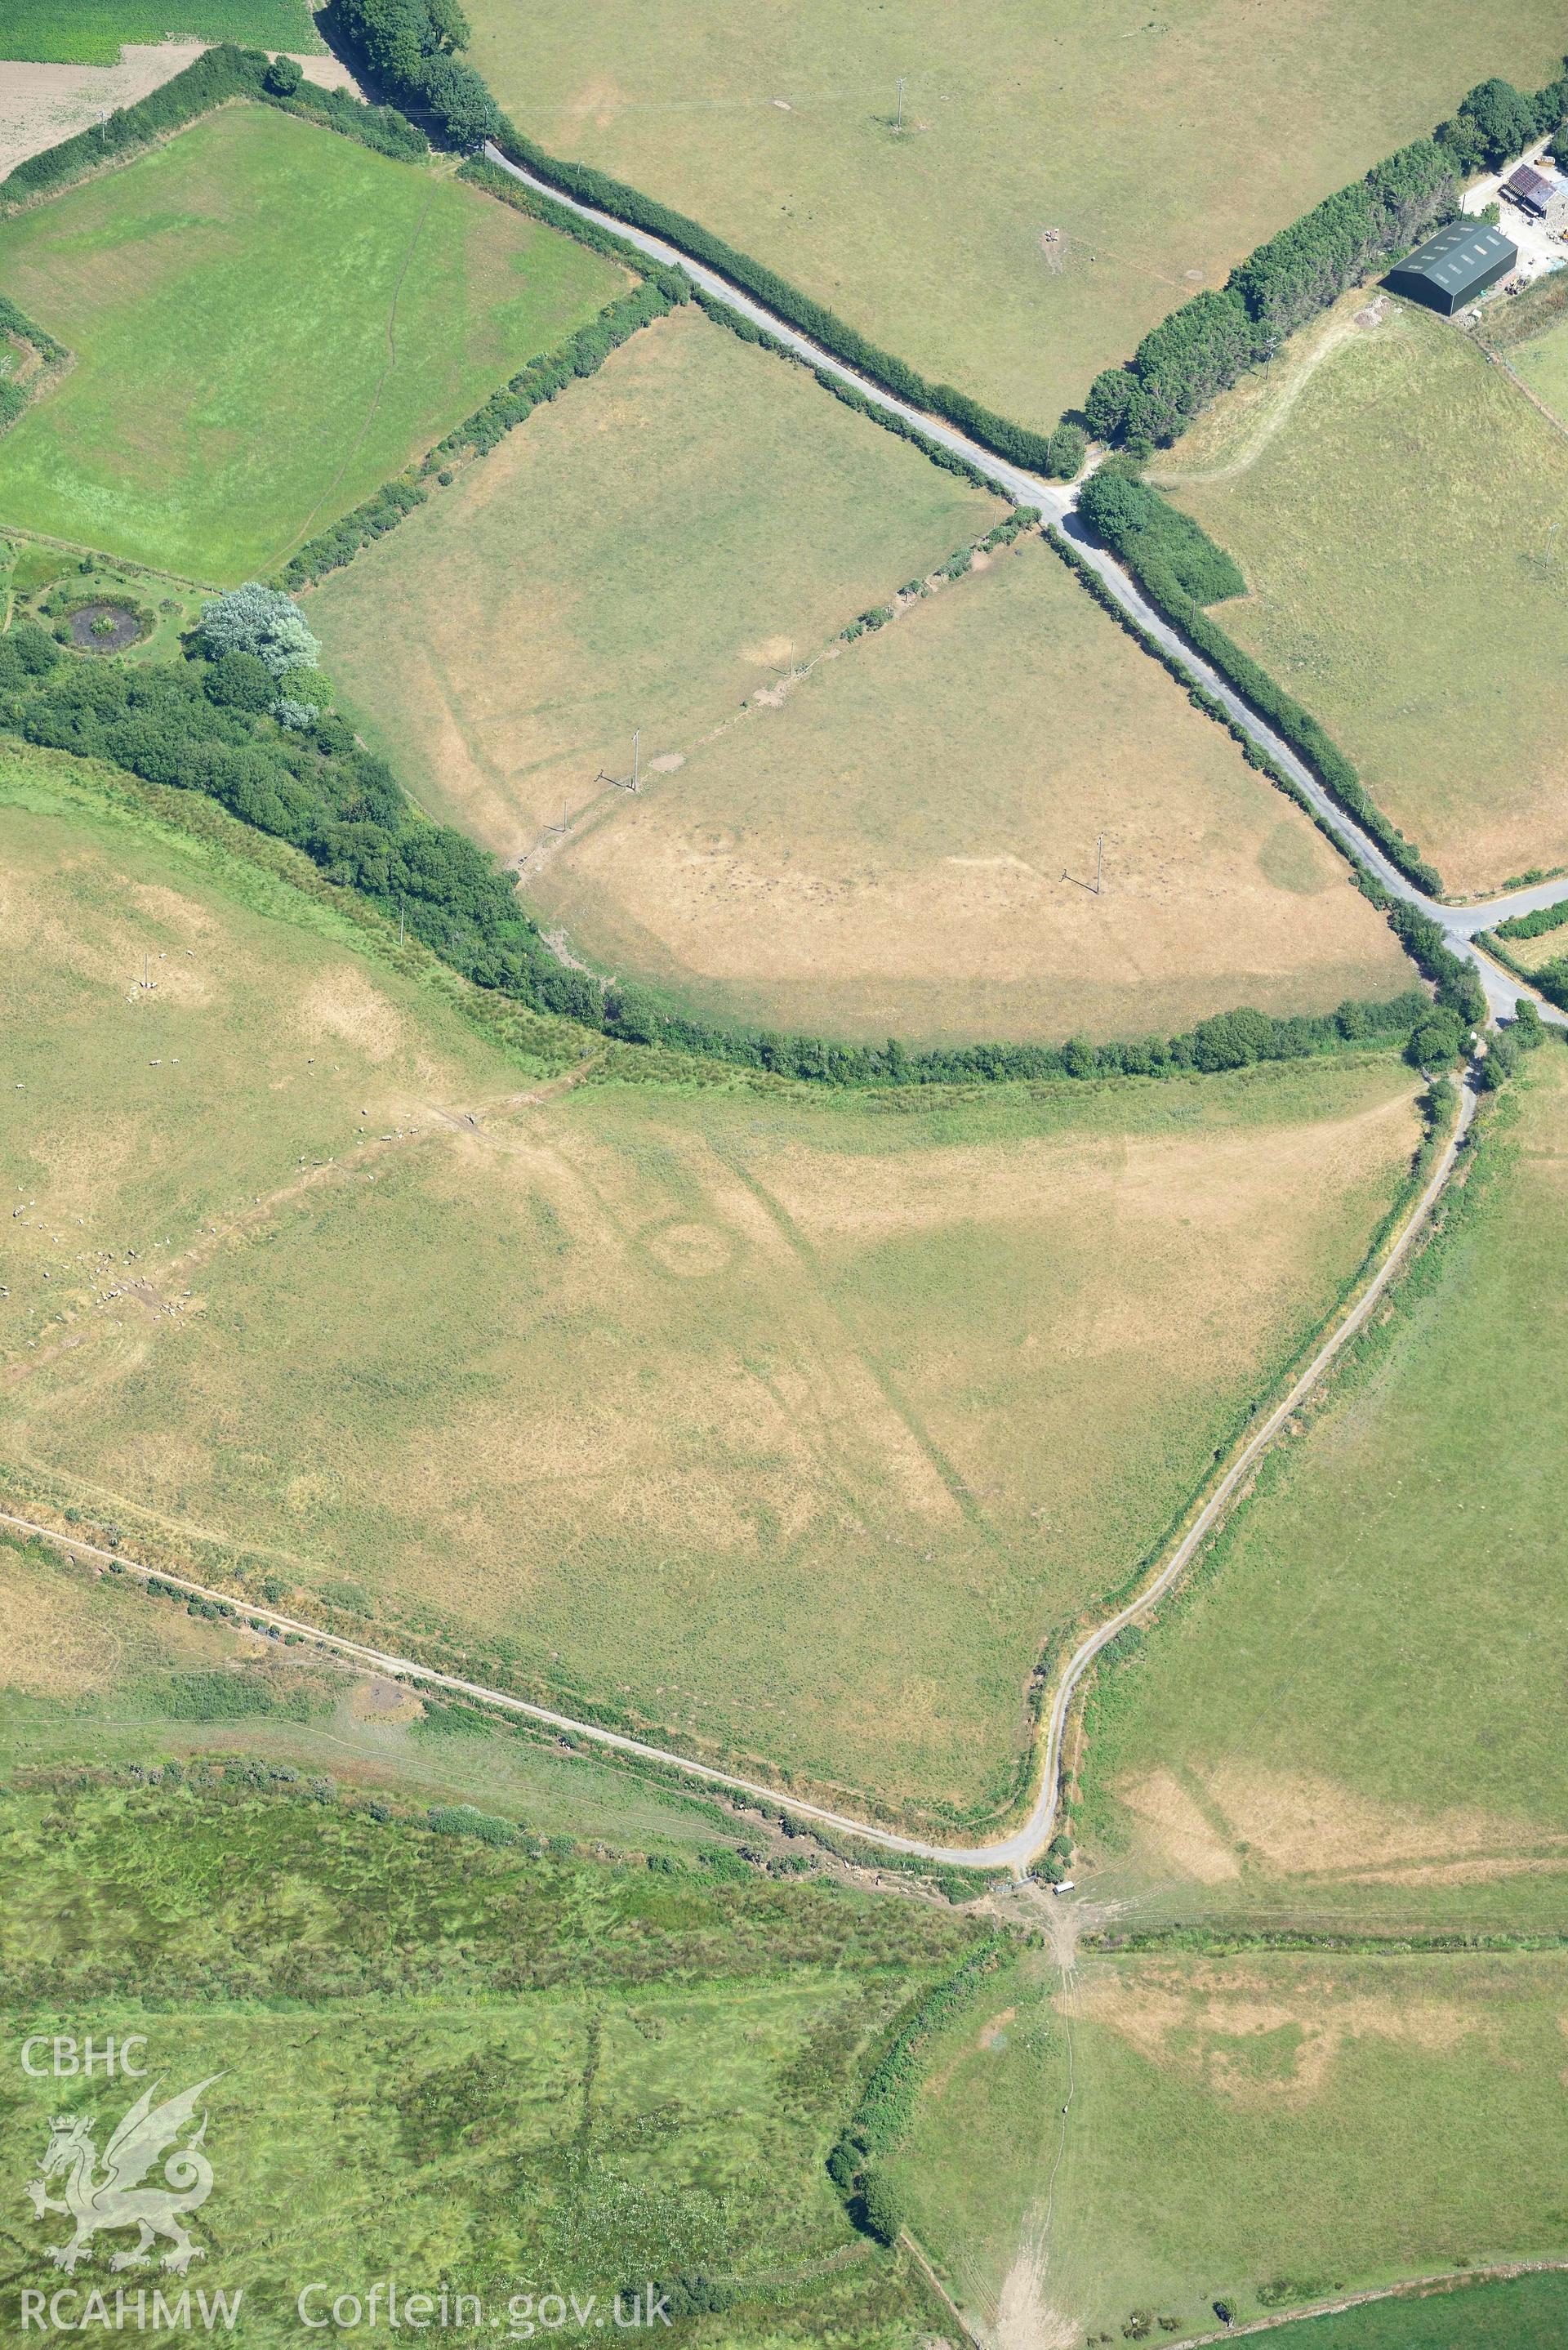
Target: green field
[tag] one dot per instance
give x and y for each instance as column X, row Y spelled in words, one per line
column 1396, row 505
column 245, row 239
column 1543, row 364
column 655, row 1400
column 1246, row 1758
column 650, row 550
column 502, row 2070
column 909, row 845
column 1260, row 2129
column 91, row 32
column 1159, row 148
column 1527, row 2312
column 87, row 1677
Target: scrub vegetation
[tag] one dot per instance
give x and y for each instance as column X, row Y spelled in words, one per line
column 521, row 2067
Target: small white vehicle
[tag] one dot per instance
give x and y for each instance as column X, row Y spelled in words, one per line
column 1064, row 1885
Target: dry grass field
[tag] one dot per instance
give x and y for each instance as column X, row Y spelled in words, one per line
column 651, row 550
column 1065, row 175
column 1356, row 1713
column 790, row 1424
column 91, row 1670
column 1542, row 360
column 1398, row 506
column 346, row 310
column 1259, row 2129
column 905, row 846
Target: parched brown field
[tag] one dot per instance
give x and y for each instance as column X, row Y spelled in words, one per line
column 787, row 1424
column 904, row 846
column 650, row 550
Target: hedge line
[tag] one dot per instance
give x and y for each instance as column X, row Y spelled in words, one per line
column 1203, row 346
column 1550, row 981
column 315, row 788
column 1149, row 555
column 14, row 397
column 1017, row 442
column 883, row 2111
column 218, row 75
column 411, row 45
column 17, row 322
column 580, row 355
column 1535, row 925
column 382, row 128
column 748, row 331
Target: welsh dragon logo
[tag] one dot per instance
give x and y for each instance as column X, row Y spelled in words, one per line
column 116, row 2196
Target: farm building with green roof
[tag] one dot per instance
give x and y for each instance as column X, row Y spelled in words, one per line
column 1452, row 267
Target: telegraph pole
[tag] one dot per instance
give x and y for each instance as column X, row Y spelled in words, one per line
column 900, row 122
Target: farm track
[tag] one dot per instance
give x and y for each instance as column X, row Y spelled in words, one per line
column 1014, row 1851
column 1461, row 923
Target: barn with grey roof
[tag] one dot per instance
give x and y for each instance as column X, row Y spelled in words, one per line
column 1452, row 267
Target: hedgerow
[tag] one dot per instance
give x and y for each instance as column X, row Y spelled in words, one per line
column 14, row 396
column 1535, row 925
column 1203, row 346
column 580, row 355
column 1163, row 552
column 314, row 786
column 218, row 73
column 886, row 2104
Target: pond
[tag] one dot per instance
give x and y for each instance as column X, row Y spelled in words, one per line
column 104, row 628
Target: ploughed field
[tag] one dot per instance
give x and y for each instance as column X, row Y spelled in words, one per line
column 1265, row 2129
column 267, row 321
column 787, row 1424
column 1396, row 505
column 1065, row 176
column 1247, row 1759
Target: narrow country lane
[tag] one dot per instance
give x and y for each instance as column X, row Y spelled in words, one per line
column 1057, row 502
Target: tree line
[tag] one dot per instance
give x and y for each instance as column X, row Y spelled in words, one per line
column 198, row 726
column 211, row 80
column 1202, row 347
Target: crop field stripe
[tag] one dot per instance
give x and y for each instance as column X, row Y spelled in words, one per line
column 93, row 32
column 303, row 533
